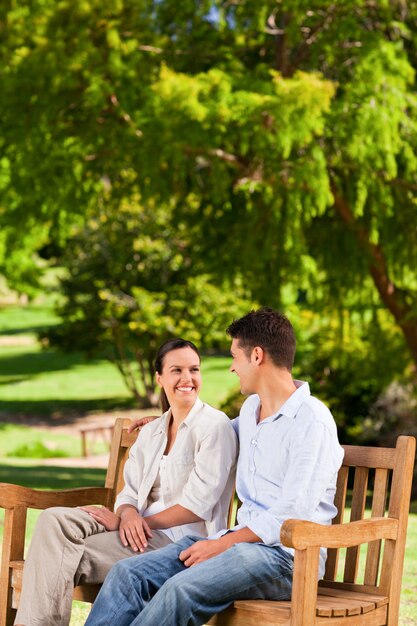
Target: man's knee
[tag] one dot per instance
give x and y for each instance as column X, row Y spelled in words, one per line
column 176, row 586
column 124, row 572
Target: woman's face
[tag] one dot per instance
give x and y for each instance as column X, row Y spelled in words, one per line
column 180, row 377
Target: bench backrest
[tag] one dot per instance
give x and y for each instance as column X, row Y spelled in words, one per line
column 378, row 478
column 119, row 453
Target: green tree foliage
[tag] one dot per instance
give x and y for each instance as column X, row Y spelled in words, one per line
column 282, row 134
column 346, row 374
column 131, row 284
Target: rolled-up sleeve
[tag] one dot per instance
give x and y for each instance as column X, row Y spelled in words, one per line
column 213, row 464
column 129, row 493
column 313, row 465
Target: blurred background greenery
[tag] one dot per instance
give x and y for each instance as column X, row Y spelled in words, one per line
column 166, row 166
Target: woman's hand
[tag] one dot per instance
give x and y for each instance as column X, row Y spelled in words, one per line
column 104, row 516
column 133, row 530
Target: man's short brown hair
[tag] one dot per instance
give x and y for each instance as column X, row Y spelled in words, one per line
column 268, row 329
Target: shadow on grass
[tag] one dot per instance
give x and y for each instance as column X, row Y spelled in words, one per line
column 62, row 411
column 52, row 477
column 32, row 362
column 35, row 330
column 13, row 380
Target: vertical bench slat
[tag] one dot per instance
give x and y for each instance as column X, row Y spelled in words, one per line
column 340, row 503
column 378, row 510
column 393, row 561
column 360, row 486
column 13, row 549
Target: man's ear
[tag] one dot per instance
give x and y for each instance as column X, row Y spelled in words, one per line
column 258, row 355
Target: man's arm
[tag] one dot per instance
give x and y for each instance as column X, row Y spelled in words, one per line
column 207, row 548
column 313, row 463
column 142, row 421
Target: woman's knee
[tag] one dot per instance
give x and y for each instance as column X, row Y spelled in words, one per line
column 52, row 516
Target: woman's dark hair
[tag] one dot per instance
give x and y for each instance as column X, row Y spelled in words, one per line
column 172, row 344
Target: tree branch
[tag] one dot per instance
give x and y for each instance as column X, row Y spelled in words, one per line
column 393, row 297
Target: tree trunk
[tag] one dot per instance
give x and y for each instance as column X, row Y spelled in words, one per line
column 392, row 296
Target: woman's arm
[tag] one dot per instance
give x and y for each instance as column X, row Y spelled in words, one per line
column 175, row 515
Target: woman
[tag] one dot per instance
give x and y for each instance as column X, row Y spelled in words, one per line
column 178, row 481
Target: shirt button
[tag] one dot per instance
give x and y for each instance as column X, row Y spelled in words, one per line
column 254, row 442
column 252, row 469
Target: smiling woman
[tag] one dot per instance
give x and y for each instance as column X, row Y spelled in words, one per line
column 178, row 480
column 177, row 367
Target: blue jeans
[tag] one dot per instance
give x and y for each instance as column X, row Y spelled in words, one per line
column 157, row 589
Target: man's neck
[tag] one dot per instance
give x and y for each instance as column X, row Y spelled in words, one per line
column 274, row 390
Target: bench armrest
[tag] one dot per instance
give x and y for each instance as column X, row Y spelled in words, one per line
column 12, row 496
column 300, row 534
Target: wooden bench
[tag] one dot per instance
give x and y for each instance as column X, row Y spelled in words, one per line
column 16, row 500
column 386, row 472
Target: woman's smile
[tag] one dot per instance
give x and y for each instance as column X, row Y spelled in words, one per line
column 180, row 376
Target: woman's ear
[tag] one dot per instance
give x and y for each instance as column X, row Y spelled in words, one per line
column 158, row 379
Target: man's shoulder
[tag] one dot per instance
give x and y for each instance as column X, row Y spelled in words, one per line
column 250, row 405
column 314, row 410
column 249, row 408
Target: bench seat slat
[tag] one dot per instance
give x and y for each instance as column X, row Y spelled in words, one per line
column 257, row 612
column 330, row 603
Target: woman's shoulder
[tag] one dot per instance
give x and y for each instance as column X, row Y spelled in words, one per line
column 214, row 415
column 152, row 427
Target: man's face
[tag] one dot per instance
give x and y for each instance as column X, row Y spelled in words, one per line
column 244, row 368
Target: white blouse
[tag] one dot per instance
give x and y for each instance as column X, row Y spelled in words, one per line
column 156, row 504
column 198, row 473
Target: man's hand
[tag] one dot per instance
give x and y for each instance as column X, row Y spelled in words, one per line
column 103, row 516
column 202, row 551
column 133, row 530
column 139, row 423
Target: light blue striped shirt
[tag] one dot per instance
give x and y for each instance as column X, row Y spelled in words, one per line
column 287, row 466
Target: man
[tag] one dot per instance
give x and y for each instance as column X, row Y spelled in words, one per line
column 287, row 468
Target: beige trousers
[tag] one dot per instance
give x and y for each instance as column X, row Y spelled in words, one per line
column 68, row 547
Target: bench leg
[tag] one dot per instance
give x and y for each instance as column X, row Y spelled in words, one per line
column 13, row 548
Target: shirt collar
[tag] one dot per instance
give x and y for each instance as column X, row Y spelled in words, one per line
column 297, row 398
column 193, row 412
column 165, row 417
